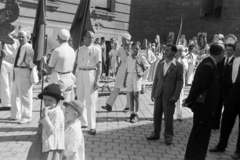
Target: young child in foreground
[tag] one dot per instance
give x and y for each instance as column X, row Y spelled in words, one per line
column 74, row 141
column 52, row 121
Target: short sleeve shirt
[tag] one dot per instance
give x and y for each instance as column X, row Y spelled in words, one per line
column 89, row 56
column 63, row 58
column 131, row 64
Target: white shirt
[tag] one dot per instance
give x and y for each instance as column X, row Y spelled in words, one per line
column 62, row 58
column 149, row 55
column 236, row 64
column 89, row 56
column 74, row 142
column 167, row 65
column 27, row 50
column 229, row 59
column 10, row 51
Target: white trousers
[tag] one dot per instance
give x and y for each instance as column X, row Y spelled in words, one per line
column 113, row 96
column 22, row 95
column 88, row 96
column 6, row 83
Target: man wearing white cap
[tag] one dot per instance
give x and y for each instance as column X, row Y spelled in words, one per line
column 8, row 51
column 22, row 86
column 123, row 53
column 89, row 70
column 61, row 64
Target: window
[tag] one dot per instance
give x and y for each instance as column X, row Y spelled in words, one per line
column 106, row 5
column 211, row 8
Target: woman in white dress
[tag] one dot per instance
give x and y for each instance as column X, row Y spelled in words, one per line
column 114, row 62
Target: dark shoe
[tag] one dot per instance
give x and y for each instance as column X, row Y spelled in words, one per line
column 236, row 155
column 84, row 126
column 216, row 149
column 107, row 107
column 126, row 109
column 134, row 119
column 92, row 132
column 5, row 108
column 168, row 143
column 153, row 137
column 129, row 119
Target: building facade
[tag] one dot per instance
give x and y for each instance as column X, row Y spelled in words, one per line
column 151, row 17
column 110, row 18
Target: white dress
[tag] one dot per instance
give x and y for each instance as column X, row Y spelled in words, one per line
column 74, row 142
column 113, row 55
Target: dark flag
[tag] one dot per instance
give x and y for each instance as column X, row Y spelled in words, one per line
column 81, row 23
column 179, row 32
column 39, row 33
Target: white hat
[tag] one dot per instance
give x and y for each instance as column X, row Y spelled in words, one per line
column 26, row 32
column 64, row 34
column 126, row 36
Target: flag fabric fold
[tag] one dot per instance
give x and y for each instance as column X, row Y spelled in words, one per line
column 81, row 23
column 179, row 32
column 39, row 33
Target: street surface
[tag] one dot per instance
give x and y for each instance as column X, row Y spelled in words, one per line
column 115, row 139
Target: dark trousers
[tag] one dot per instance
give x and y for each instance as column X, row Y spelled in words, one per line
column 218, row 114
column 163, row 106
column 199, row 138
column 229, row 117
column 228, row 121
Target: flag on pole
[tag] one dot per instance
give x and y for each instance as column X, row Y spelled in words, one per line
column 179, row 32
column 39, row 33
column 81, row 23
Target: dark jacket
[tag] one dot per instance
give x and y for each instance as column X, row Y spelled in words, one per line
column 225, row 76
column 169, row 85
column 206, row 78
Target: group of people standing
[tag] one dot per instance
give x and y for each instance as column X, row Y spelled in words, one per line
column 215, row 84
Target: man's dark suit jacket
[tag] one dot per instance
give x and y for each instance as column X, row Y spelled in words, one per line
column 225, row 76
column 169, row 85
column 205, row 78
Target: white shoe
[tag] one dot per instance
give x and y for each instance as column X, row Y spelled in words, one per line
column 24, row 121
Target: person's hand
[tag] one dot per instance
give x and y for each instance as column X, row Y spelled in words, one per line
column 44, row 59
column 173, row 100
column 124, row 84
column 46, row 111
column 96, row 86
column 153, row 99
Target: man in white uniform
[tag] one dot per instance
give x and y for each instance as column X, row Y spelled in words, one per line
column 61, row 65
column 88, row 75
column 123, row 53
column 22, row 86
column 8, row 51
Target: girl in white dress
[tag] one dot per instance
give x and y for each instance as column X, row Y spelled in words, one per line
column 114, row 60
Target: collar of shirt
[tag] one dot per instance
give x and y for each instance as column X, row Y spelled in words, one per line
column 64, row 43
column 213, row 60
column 173, row 62
column 229, row 59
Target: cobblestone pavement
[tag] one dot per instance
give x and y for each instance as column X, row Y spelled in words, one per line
column 115, row 139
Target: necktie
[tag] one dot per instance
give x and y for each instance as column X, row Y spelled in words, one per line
column 227, row 61
column 17, row 56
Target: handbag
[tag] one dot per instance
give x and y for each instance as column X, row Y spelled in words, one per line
column 34, row 75
column 202, row 97
column 140, row 68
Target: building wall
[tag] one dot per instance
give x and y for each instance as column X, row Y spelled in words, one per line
column 151, row 17
column 60, row 14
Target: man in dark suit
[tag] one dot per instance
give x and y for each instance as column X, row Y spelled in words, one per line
column 166, row 89
column 225, row 75
column 230, row 113
column 205, row 84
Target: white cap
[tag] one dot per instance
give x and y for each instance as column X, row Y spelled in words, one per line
column 126, row 36
column 64, row 34
column 26, row 32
